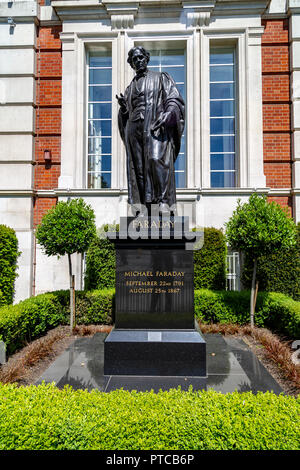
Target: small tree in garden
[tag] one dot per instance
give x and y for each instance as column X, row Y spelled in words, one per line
column 258, row 228
column 67, row 228
column 8, row 264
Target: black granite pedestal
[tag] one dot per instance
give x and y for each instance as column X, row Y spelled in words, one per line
column 155, row 333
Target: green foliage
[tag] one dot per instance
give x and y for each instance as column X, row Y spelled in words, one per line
column 95, row 307
column 46, row 418
column 67, row 228
column 278, row 271
column 29, row 319
column 8, row 263
column 275, row 311
column 259, row 227
column 210, row 261
column 101, row 261
column 33, row 317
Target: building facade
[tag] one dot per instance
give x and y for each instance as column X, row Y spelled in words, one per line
column 236, row 62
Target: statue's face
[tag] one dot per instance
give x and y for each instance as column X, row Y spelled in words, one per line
column 139, row 61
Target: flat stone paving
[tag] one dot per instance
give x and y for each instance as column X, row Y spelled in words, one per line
column 230, row 366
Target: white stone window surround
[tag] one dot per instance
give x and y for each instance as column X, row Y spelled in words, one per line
column 197, row 40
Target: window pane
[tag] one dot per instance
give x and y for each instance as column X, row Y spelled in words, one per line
column 99, row 163
column 222, row 180
column 100, row 111
column 222, row 126
column 222, row 108
column 221, row 90
column 177, row 73
column 100, row 93
column 100, row 76
column 99, row 145
column 180, row 162
column 100, row 128
column 181, row 89
column 221, row 73
column 222, row 144
column 172, row 57
column 180, row 179
column 222, row 56
column 100, row 59
column 99, row 180
column 221, row 161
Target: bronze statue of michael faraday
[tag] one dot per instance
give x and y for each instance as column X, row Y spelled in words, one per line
column 151, row 122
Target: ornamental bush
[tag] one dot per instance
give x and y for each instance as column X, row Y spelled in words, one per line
column 46, row 418
column 29, row 319
column 276, row 311
column 8, row 263
column 210, row 261
column 277, row 272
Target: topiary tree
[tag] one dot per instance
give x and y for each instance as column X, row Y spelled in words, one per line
column 259, row 228
column 276, row 272
column 8, row 263
column 67, row 228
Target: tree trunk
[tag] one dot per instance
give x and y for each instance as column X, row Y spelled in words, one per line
column 71, row 294
column 253, row 296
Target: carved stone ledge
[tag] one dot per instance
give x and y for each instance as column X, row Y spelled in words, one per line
column 122, row 21
column 198, row 13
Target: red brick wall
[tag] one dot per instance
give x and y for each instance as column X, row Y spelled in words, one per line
column 48, row 114
column 276, row 106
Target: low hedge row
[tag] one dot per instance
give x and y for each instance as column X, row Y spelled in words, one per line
column 273, row 310
column 46, row 418
column 31, row 318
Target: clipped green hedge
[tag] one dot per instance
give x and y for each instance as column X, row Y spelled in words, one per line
column 277, row 272
column 100, row 265
column 29, row 319
column 210, row 261
column 273, row 310
column 25, row 321
column 8, row 264
column 46, row 418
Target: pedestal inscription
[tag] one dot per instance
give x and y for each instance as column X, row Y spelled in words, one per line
column 158, row 292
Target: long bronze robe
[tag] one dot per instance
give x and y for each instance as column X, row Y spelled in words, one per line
column 160, row 148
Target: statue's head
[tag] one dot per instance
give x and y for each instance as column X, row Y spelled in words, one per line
column 138, row 58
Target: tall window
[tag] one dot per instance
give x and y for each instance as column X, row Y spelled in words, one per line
column 173, row 62
column 99, row 119
column 223, row 172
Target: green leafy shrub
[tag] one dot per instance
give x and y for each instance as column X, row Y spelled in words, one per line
column 33, row 317
column 46, row 418
column 276, row 311
column 29, row 319
column 210, row 261
column 100, row 264
column 95, row 307
column 277, row 272
column 8, row 263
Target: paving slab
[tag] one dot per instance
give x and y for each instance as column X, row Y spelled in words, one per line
column 231, row 365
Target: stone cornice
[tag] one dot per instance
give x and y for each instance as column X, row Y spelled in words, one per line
column 122, row 13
